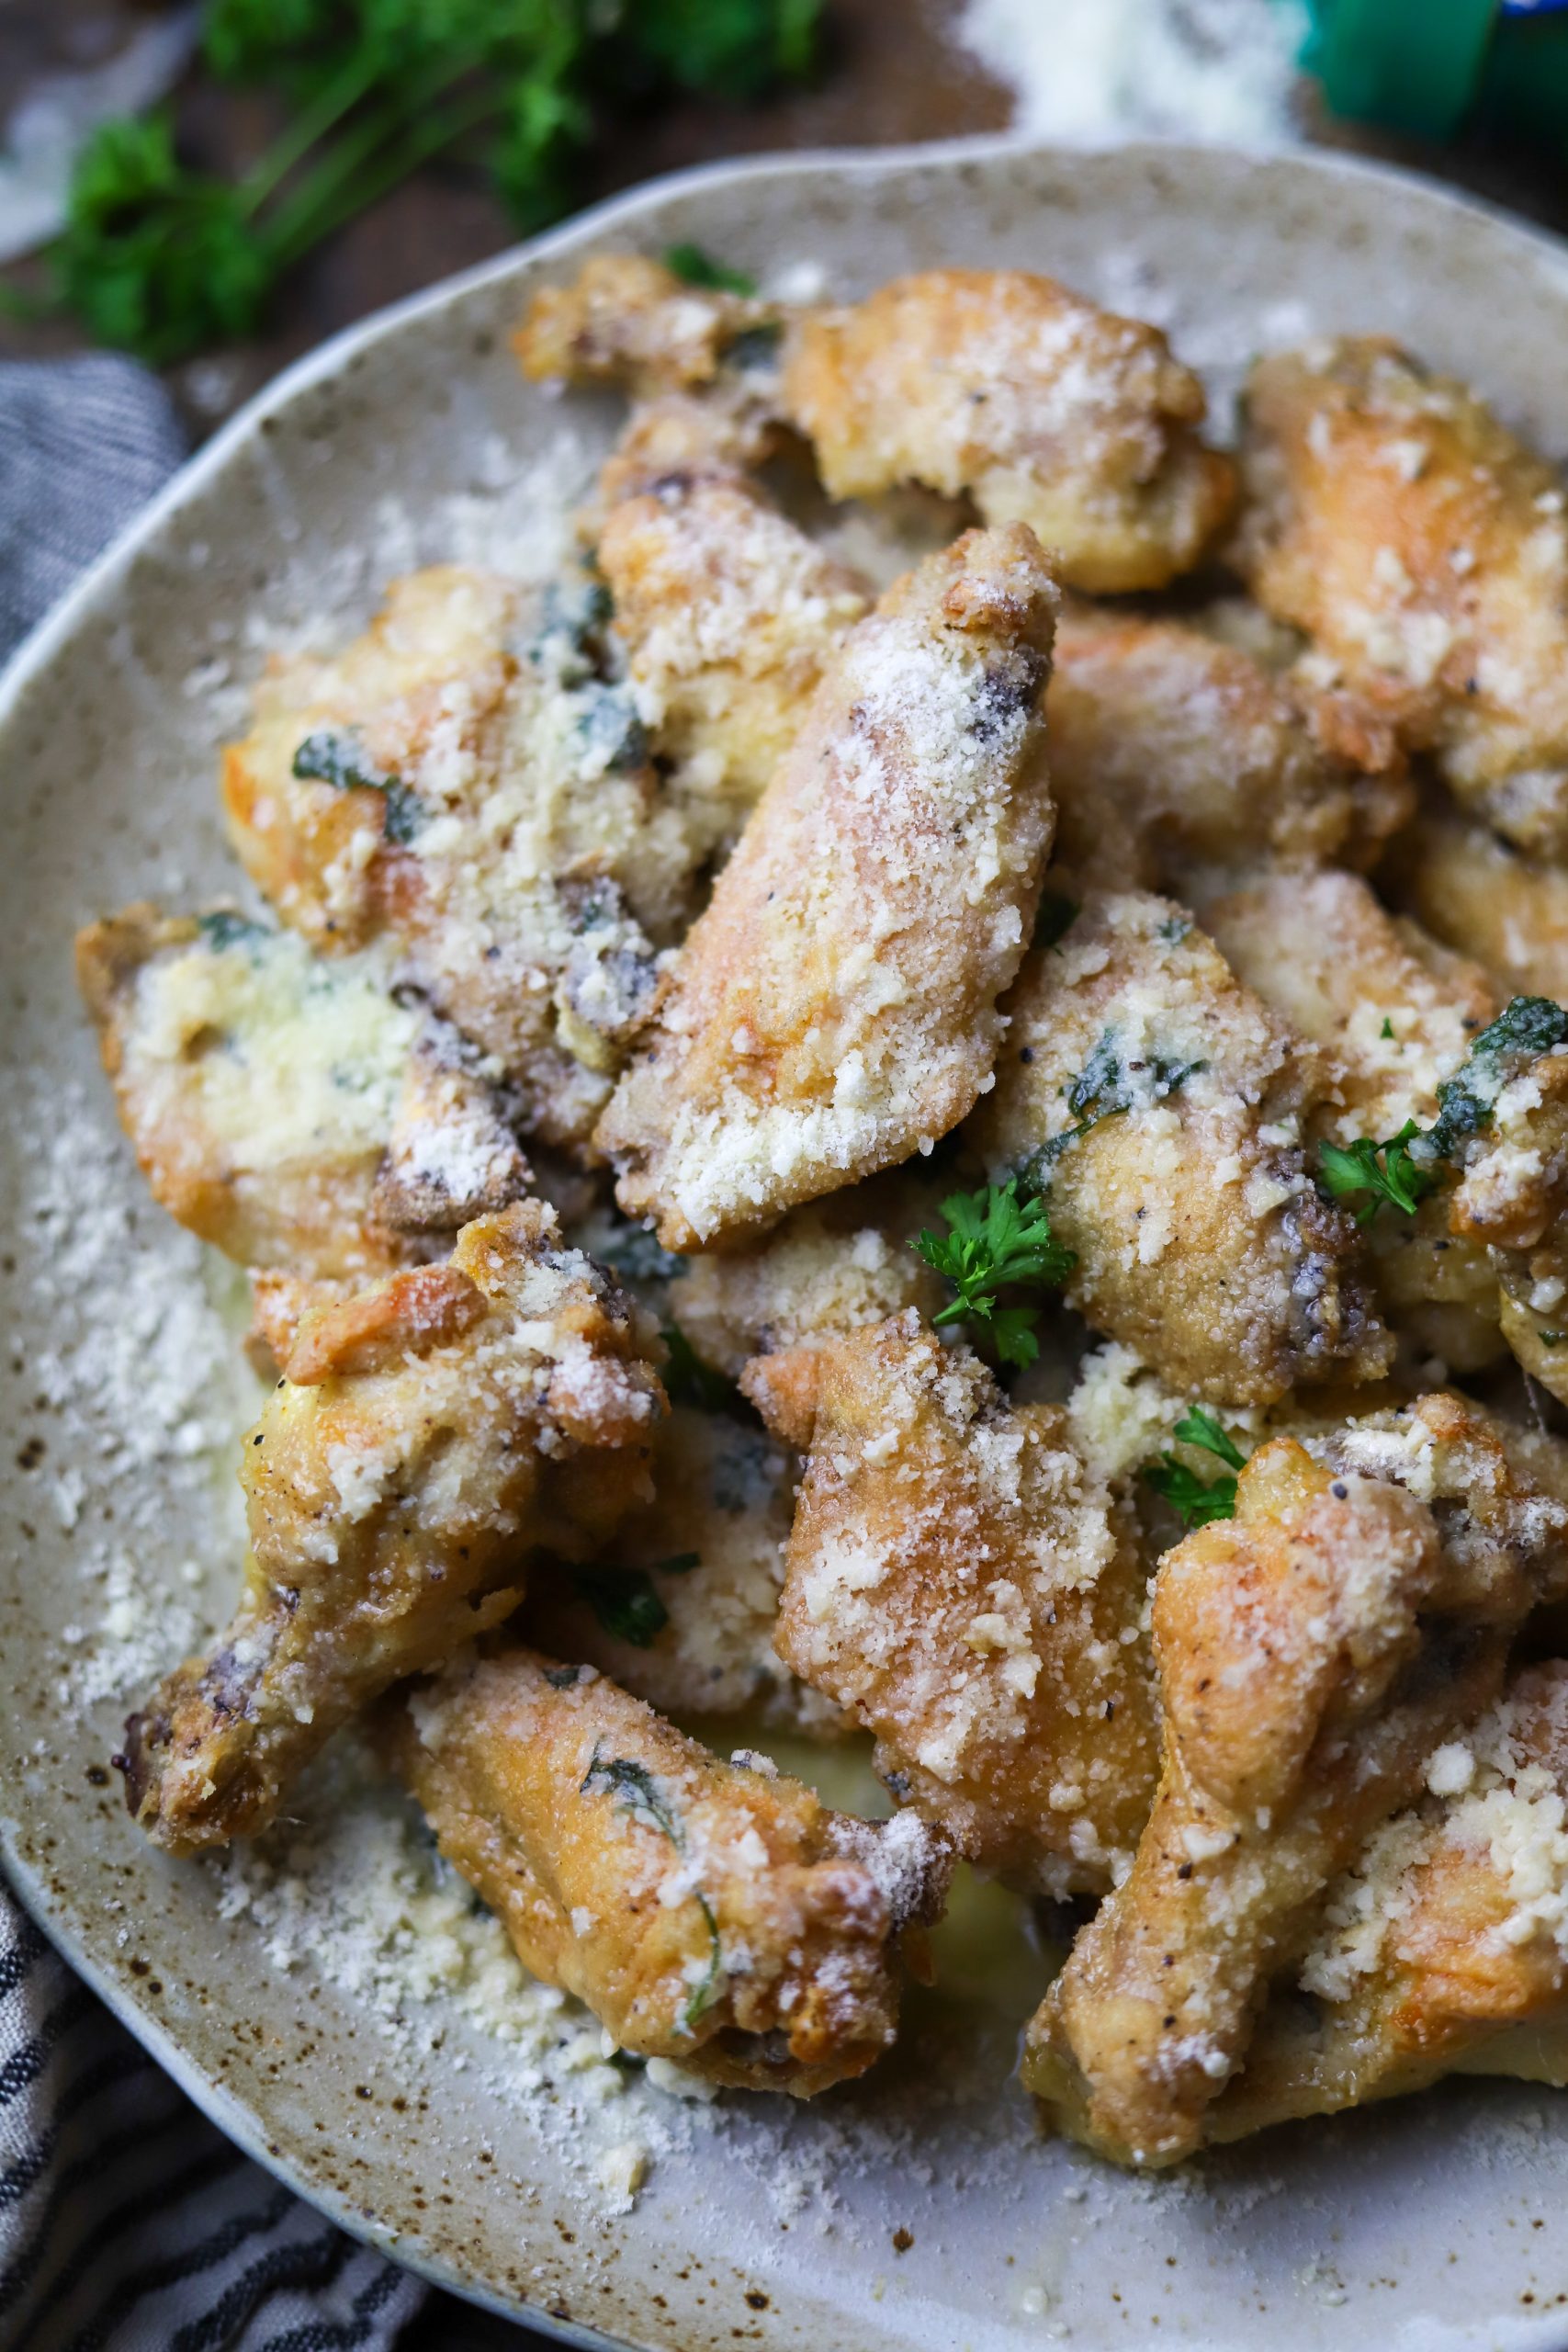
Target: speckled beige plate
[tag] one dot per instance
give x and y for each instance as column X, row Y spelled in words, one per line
column 1438, row 2222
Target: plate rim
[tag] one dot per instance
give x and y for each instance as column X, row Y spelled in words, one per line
column 52, row 636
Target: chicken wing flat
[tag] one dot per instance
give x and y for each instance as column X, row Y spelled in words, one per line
column 467, row 783
column 834, row 1009
column 729, row 614
column 627, row 320
column 1047, row 410
column 1313, row 1651
column 1490, row 901
column 1423, row 550
column 285, row 1107
column 958, row 1581
column 430, row 1435
column 682, row 1607
column 1203, row 754
column 834, row 1266
column 1161, row 1107
column 1444, row 1949
column 714, row 1914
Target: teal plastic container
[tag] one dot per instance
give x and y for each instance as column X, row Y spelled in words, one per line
column 1429, row 67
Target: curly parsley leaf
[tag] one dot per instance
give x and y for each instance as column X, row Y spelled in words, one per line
column 994, row 1238
column 1196, row 1501
column 695, row 268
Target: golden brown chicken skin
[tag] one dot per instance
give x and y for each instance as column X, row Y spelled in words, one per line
column 1313, row 1651
column 1046, row 409
column 958, row 1581
column 627, row 320
column 680, row 1607
column 831, row 1267
column 1397, row 1013
column 709, row 1913
column 1444, row 1949
column 430, row 1436
column 287, row 1108
column 1423, row 550
column 1488, row 900
column 1161, row 1107
column 467, row 785
column 834, row 1009
column 1204, row 755
column 728, row 613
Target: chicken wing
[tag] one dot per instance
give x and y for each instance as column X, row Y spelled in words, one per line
column 1204, row 755
column 627, row 320
column 1312, row 1652
column 1047, row 410
column 1488, row 900
column 680, row 1609
column 831, row 1267
column 287, row 1108
column 957, row 1580
column 834, row 1009
column 431, row 1434
column 467, row 783
column 1423, row 550
column 729, row 614
column 714, row 1914
column 1161, row 1107
column 1444, row 1949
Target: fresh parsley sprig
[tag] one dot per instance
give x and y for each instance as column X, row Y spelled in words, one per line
column 163, row 261
column 994, row 1239
column 1196, row 1501
column 1376, row 1173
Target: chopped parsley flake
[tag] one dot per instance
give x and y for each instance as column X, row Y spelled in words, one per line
column 625, row 1603
column 635, row 1793
column 695, row 268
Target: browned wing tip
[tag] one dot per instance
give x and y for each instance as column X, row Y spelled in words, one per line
column 134, row 1761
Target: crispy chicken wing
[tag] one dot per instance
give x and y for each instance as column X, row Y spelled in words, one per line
column 1202, row 754
column 1047, row 410
column 728, row 613
column 1488, row 900
column 835, row 1007
column 469, row 784
column 1161, row 1107
column 714, row 1914
column 682, row 1607
column 1312, row 1652
column 625, row 319
column 287, row 1108
column 1445, row 1947
column 1422, row 549
column 958, row 1580
column 831, row 1267
column 431, row 1434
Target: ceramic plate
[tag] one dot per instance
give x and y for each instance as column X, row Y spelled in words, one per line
column 335, row 2004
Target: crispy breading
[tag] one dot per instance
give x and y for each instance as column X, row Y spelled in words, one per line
column 715, row 1913
column 831, row 1267
column 1312, row 1652
column 1047, row 410
column 1161, row 1106
column 834, row 1009
column 625, row 319
column 1397, row 1013
column 1488, row 900
column 286, row 1108
column 1203, row 754
column 430, row 1436
column 709, row 1548
column 958, row 1579
column 728, row 613
column 1444, row 1948
column 1423, row 550
column 479, row 796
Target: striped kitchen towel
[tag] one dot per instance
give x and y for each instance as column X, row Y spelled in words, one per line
column 127, row 2223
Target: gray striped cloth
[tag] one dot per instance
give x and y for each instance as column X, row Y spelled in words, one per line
column 127, row 2223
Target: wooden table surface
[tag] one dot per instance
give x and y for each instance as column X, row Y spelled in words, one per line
column 891, row 72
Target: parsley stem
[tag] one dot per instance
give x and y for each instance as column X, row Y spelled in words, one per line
column 414, row 140
column 312, row 123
